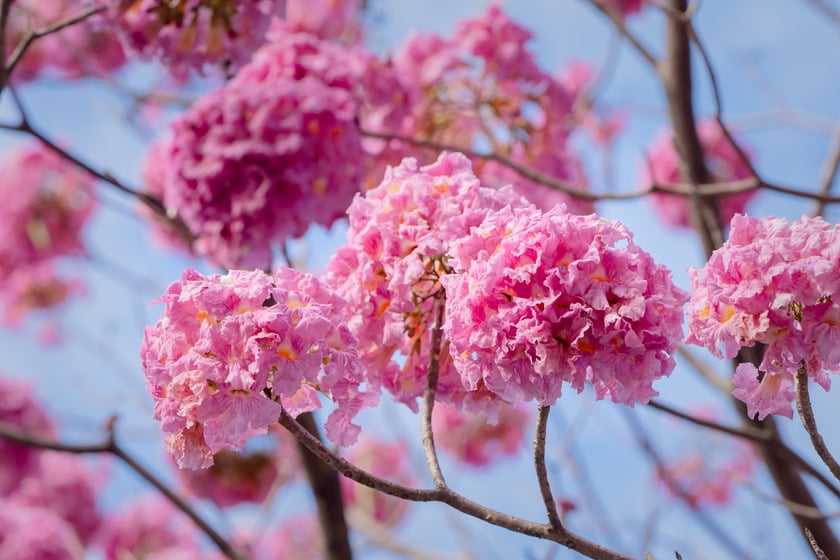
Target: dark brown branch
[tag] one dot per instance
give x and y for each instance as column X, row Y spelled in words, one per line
column 539, row 466
column 806, row 414
column 111, row 446
column 5, row 6
column 449, row 497
column 327, row 492
column 818, row 552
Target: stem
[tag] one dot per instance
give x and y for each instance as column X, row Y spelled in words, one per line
column 542, row 472
column 806, row 414
column 429, row 393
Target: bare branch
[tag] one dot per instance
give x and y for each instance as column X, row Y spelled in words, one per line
column 829, row 171
column 814, row 546
column 806, row 414
column 615, row 17
column 110, row 445
column 539, row 466
column 429, row 394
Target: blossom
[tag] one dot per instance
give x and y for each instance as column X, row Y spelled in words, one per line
column 477, row 439
column 397, row 245
column 539, row 299
column 191, row 34
column 19, row 409
column 328, row 19
column 230, row 349
column 724, row 163
column 36, row 533
column 774, row 283
column 387, row 460
column 238, row 477
column 483, row 86
column 297, row 538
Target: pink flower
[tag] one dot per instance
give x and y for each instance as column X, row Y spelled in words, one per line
column 477, row 439
column 20, row 410
column 32, row 288
column 538, row 300
column 298, row 538
column 191, row 34
column 772, row 282
column 385, row 460
column 328, row 19
column 64, row 485
column 238, row 477
column 724, row 164
column 36, row 533
column 230, row 349
column 400, row 235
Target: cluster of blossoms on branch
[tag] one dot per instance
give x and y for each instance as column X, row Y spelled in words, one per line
column 773, row 283
column 48, row 201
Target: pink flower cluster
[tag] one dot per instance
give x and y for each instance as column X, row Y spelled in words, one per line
column 543, row 299
column 385, row 460
column 230, row 349
column 276, row 150
column 400, row 233
column 47, row 498
column 478, row 439
column 47, row 203
column 238, row 477
column 85, row 48
column 702, row 480
column 338, row 20
column 723, row 161
column 483, row 85
column 190, row 34
column 773, row 283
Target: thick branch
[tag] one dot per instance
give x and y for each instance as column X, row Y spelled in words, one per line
column 327, row 492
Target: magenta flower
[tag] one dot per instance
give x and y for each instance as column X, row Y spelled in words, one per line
column 477, row 439
column 230, row 349
column 400, row 235
column 191, row 34
column 36, row 533
column 539, row 300
column 723, row 161
column 772, row 282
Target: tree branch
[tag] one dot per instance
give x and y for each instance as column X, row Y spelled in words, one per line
column 111, row 446
column 429, row 393
column 806, row 414
column 539, row 466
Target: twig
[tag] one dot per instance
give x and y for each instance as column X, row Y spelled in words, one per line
column 539, row 466
column 5, row 6
column 829, row 171
column 32, row 35
column 722, row 385
column 111, row 446
column 814, row 546
column 618, row 22
column 449, row 497
column 429, row 393
column 806, row 414
column 827, row 10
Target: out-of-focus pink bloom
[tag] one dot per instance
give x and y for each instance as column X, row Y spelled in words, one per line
column 298, row 538
column 227, row 345
column 64, row 485
column 36, row 533
column 772, row 282
column 397, row 245
column 708, row 478
column 385, row 460
column 328, row 19
column 82, row 49
column 483, row 86
column 723, row 161
column 624, row 7
column 238, row 477
column 30, row 288
column 149, row 528
column 192, row 34
column 601, row 125
column 539, row 299
column 19, row 409
column 477, row 439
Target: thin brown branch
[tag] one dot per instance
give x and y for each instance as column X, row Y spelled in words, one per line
column 110, row 445
column 33, row 35
column 618, row 21
column 818, row 552
column 829, row 171
column 722, row 385
column 827, row 10
column 5, row 6
column 809, row 422
column 429, row 393
column 539, row 467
